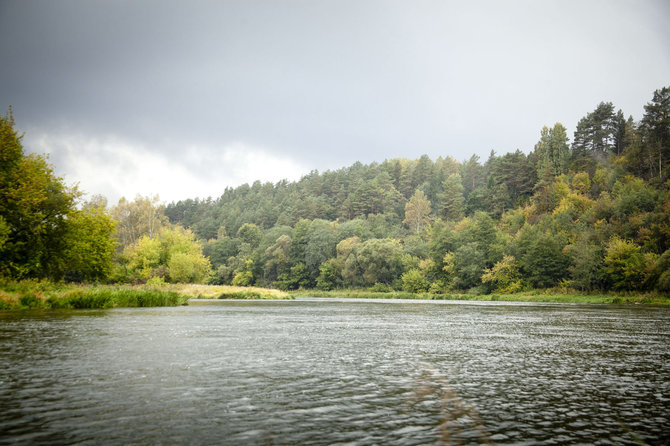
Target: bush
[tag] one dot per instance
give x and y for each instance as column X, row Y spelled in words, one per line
column 624, row 265
column 504, row 276
column 381, row 288
column 413, row 281
column 240, row 295
column 243, row 278
column 30, row 301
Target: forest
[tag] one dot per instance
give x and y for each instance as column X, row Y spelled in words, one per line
column 591, row 213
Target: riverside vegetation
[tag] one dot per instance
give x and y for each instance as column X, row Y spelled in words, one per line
column 49, row 295
column 581, row 220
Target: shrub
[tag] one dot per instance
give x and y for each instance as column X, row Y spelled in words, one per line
column 240, row 295
column 504, row 276
column 243, row 278
column 413, row 281
column 624, row 265
column 30, row 301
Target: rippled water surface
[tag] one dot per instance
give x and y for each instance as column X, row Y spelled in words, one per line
column 327, row 372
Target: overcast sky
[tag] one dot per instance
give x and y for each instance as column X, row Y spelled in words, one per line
column 184, row 98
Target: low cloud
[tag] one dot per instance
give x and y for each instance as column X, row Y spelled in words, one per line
column 116, row 168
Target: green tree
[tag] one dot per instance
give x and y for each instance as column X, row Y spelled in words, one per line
column 277, row 258
column 134, row 219
column 4, row 233
column 655, row 127
column 442, row 239
column 173, row 255
column 504, row 276
column 244, row 276
column 662, row 271
column 187, row 267
column 482, row 231
column 581, row 183
column 373, row 261
column 297, row 277
column 586, row 260
column 473, row 175
column 511, row 182
column 90, row 244
column 596, row 136
column 35, row 207
column 330, row 275
column 220, row 250
column 469, row 262
column 451, row 198
column 250, row 234
column 321, row 241
column 143, row 259
column 413, row 281
column 423, row 168
column 544, row 263
column 552, row 150
column 624, row 265
column 300, row 238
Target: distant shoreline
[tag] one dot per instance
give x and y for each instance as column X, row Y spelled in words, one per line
column 543, row 297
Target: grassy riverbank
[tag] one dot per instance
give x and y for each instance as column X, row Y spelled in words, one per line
column 49, row 295
column 36, row 294
column 554, row 295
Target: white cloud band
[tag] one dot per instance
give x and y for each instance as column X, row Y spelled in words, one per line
column 116, row 168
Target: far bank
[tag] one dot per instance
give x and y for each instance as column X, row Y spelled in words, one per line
column 557, row 296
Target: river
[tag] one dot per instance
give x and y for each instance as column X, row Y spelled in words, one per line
column 315, row 371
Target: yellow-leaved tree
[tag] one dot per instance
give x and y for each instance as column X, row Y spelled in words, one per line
column 172, row 255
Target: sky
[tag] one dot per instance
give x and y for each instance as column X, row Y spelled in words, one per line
column 185, row 98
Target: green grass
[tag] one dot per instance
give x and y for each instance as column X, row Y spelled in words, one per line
column 115, row 298
column 557, row 296
column 47, row 295
column 240, row 295
column 29, row 294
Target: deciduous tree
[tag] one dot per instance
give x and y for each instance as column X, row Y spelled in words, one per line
column 417, row 212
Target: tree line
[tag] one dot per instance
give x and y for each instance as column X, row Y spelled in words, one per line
column 592, row 213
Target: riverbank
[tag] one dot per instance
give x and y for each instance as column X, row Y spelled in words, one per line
column 49, row 295
column 557, row 296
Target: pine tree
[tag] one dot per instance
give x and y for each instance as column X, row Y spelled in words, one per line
column 656, row 130
column 596, row 136
column 552, row 150
column 451, row 198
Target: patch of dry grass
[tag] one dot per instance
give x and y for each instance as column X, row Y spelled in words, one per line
column 198, row 291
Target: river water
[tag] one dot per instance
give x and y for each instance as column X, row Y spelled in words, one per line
column 337, row 371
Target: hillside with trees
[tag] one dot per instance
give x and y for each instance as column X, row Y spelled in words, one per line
column 591, row 213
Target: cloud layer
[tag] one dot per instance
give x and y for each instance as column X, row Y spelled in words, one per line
column 141, row 89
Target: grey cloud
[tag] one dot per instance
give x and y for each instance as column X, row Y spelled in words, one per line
column 327, row 83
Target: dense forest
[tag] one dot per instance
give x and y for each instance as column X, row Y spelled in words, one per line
column 589, row 214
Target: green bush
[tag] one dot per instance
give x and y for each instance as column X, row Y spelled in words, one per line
column 115, row 298
column 381, row 288
column 243, row 278
column 240, row 295
column 30, row 301
column 414, row 281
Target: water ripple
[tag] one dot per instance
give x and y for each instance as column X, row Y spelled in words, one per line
column 337, row 372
